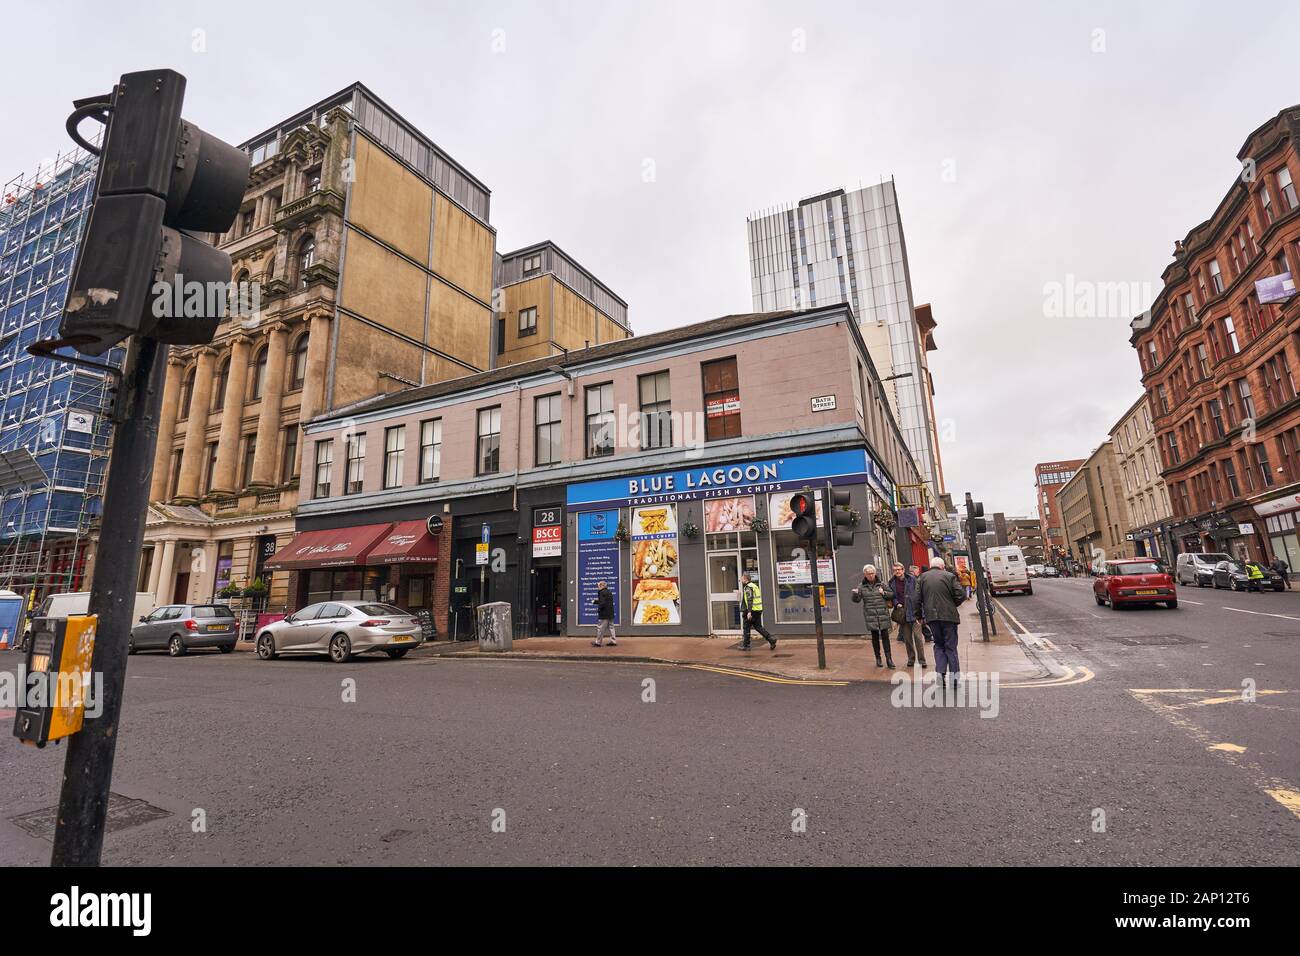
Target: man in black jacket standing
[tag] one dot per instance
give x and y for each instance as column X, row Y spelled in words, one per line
column 604, row 615
column 938, row 594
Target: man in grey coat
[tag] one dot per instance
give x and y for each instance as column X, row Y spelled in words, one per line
column 938, row 595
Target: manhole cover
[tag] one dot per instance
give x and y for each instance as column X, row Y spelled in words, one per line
column 123, row 813
column 1155, row 640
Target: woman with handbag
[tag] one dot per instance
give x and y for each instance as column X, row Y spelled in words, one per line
column 875, row 601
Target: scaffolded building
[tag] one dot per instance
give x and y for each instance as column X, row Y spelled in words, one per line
column 54, row 410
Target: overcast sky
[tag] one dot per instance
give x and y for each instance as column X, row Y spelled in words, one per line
column 1030, row 142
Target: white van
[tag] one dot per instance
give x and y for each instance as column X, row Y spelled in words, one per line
column 1007, row 571
column 78, row 602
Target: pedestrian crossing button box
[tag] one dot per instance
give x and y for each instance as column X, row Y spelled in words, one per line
column 53, row 695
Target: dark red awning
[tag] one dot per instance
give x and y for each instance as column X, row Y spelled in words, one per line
column 409, row 542
column 338, row 547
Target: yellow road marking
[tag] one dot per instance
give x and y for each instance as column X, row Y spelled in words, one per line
column 1288, row 798
column 1071, row 677
column 767, row 678
column 1231, row 748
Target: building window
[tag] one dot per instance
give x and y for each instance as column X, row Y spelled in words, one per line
column 246, row 222
column 600, row 420
column 300, row 361
column 1216, row 413
column 528, row 320
column 250, row 452
column 656, row 410
column 430, row 450
column 289, row 468
column 532, row 265
column 1153, row 359
column 488, row 458
column 1202, row 360
column 1286, row 187
column 547, row 429
column 721, row 399
column 394, row 455
column 1261, row 462
column 311, row 180
column 258, row 383
column 324, row 469
column 1189, row 305
column 1247, row 400
column 222, row 379
column 187, row 393
column 1230, row 334
column 306, row 257
column 1216, row 277
column 210, row 472
column 354, row 472
column 173, row 486
column 1266, row 203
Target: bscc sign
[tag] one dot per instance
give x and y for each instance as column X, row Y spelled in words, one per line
column 548, row 541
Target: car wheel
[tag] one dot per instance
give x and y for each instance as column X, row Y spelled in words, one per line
column 398, row 653
column 1097, row 598
column 1172, row 605
column 266, row 647
column 227, row 648
column 1200, row 583
column 340, row 649
column 176, row 646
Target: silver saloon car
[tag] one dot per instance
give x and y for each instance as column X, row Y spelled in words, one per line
column 341, row 629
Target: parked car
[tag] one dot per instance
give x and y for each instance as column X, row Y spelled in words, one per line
column 1233, row 574
column 1196, row 568
column 341, row 629
column 180, row 628
column 1034, row 570
column 1049, row 571
column 1134, row 581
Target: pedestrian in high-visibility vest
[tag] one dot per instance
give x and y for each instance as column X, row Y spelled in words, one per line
column 1254, row 576
column 751, row 611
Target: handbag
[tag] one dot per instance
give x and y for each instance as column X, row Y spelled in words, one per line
column 898, row 615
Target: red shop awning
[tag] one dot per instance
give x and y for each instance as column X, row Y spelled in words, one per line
column 409, row 542
column 338, row 547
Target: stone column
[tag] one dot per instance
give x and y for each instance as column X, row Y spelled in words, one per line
column 268, row 422
column 197, row 427
column 166, row 427
column 166, row 583
column 313, row 388
column 155, row 565
column 228, row 444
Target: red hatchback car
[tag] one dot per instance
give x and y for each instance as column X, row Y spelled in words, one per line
column 1134, row 581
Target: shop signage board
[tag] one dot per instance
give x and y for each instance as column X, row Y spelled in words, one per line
column 800, row 572
column 547, row 541
column 597, row 561
column 790, row 473
column 1278, row 505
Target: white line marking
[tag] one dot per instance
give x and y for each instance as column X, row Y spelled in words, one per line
column 1242, row 610
column 1185, row 601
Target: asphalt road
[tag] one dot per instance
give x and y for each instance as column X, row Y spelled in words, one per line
column 583, row 771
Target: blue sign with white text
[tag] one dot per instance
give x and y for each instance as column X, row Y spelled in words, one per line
column 851, row 466
column 597, row 561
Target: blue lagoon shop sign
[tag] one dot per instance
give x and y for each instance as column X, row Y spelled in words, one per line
column 792, row 472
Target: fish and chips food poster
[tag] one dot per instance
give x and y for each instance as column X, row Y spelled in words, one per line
column 656, row 597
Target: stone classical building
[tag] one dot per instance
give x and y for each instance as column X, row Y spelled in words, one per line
column 1094, row 509
column 1134, row 441
column 369, row 261
column 1218, row 349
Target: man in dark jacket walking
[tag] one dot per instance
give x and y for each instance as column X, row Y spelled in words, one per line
column 1282, row 568
column 604, row 615
column 938, row 595
column 903, row 587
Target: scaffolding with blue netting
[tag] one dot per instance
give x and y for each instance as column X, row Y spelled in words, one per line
column 58, row 411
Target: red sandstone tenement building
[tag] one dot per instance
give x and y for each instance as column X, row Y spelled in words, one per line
column 1049, row 478
column 1218, row 352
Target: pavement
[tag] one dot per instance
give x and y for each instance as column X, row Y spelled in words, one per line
column 848, row 659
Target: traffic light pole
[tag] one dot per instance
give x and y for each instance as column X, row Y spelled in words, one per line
column 88, row 767
column 816, row 591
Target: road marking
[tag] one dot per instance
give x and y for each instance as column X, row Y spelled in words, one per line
column 1231, row 748
column 766, row 678
column 1068, row 678
column 770, row 679
column 1242, row 610
column 1185, row 601
column 1283, row 791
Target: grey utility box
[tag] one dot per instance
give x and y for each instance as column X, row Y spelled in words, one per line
column 495, row 626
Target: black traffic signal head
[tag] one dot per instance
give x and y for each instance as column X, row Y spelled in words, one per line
column 804, row 524
column 139, row 271
column 841, row 524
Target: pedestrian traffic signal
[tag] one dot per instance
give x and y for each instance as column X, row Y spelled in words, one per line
column 139, row 271
column 840, row 526
column 804, row 524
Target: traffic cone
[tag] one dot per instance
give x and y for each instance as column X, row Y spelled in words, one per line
column 4, row 639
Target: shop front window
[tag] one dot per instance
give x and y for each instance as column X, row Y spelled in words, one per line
column 347, row 584
column 732, row 550
column 792, row 562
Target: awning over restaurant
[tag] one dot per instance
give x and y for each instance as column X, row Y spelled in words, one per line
column 337, row 547
column 409, row 542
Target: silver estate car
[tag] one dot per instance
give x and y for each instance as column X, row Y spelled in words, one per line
column 341, row 629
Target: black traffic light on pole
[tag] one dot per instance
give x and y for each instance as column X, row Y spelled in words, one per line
column 159, row 178
column 978, row 523
column 804, row 524
column 839, row 525
column 139, row 269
